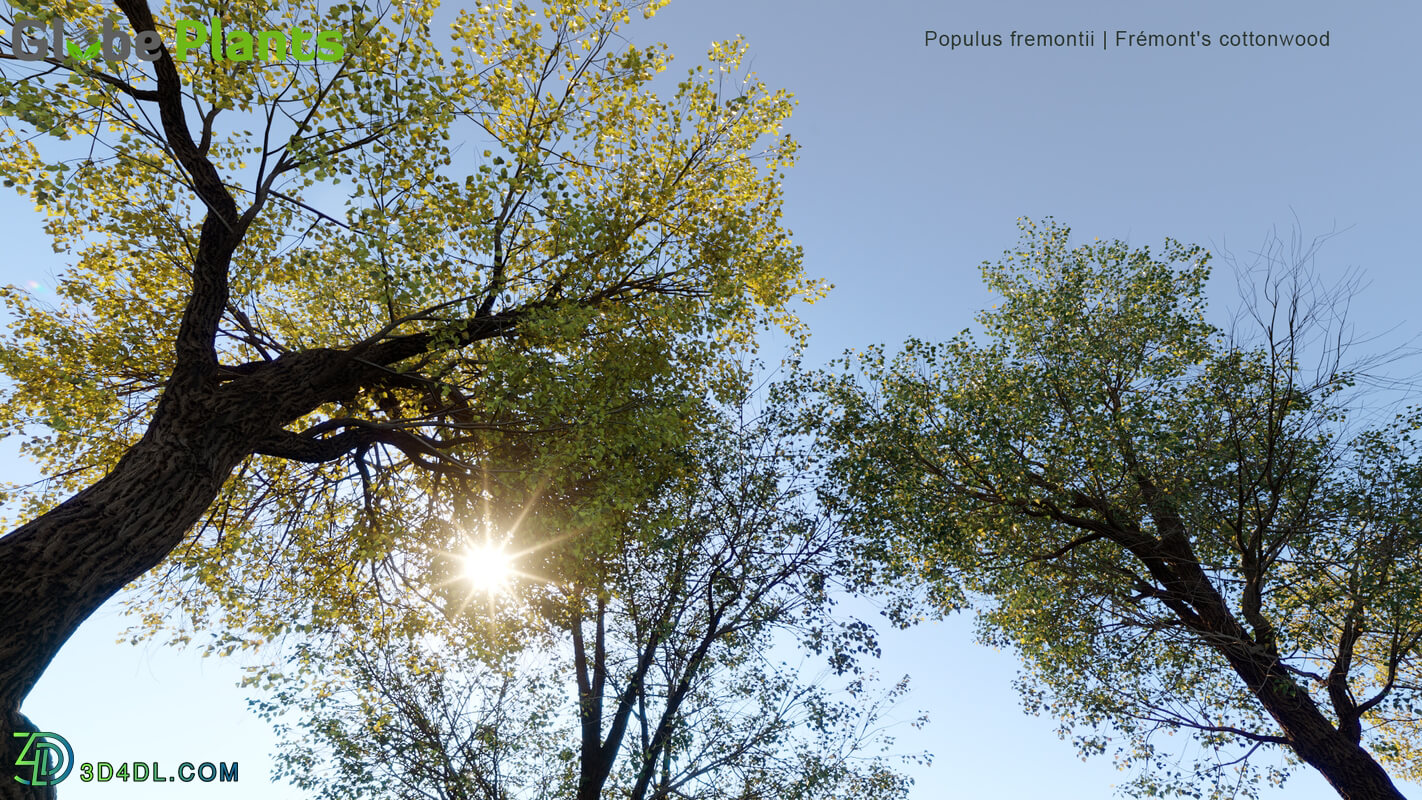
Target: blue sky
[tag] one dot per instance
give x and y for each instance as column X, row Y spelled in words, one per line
column 916, row 162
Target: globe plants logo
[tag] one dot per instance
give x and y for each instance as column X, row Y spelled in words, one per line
column 37, row 40
column 47, row 756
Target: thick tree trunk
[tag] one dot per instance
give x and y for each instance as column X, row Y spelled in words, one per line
column 59, row 568
column 1347, row 767
column 1314, row 738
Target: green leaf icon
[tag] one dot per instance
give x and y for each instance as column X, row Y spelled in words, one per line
column 83, row 54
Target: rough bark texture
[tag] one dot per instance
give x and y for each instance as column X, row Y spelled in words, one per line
column 1190, row 594
column 58, row 569
column 1346, row 766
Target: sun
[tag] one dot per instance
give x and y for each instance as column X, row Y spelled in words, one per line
column 488, row 568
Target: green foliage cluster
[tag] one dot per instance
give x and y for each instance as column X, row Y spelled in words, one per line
column 1180, row 530
column 530, row 165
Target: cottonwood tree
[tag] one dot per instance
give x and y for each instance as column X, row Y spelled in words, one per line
column 648, row 674
column 292, row 291
column 1184, row 531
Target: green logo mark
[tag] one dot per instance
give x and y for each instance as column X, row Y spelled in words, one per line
column 83, row 54
column 49, row 761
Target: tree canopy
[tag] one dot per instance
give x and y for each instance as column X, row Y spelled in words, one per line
column 651, row 666
column 1185, row 531
column 298, row 296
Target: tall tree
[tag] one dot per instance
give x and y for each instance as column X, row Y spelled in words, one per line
column 654, row 674
column 1181, row 529
column 296, row 286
